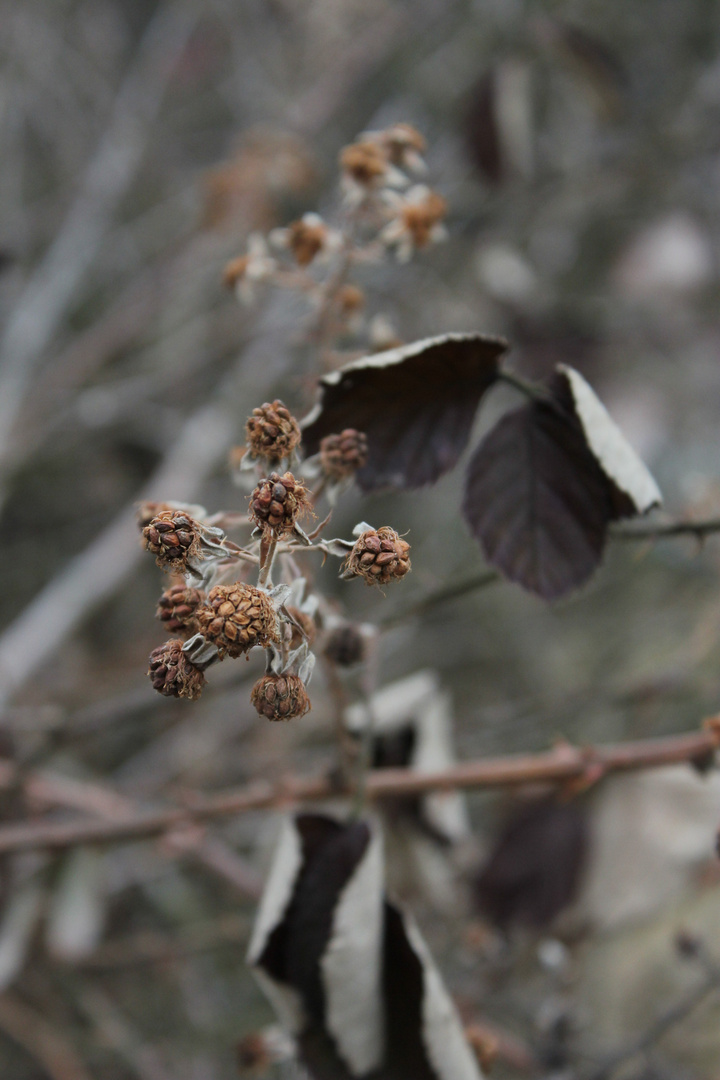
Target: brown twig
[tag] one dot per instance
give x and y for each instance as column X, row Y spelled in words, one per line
column 555, row 766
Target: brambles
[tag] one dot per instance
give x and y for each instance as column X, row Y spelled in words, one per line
column 277, row 503
column 174, row 538
column 342, row 455
column 379, row 556
column 238, row 617
column 280, row 697
column 177, row 608
column 173, row 674
column 272, row 433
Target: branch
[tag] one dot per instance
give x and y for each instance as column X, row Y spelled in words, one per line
column 663, row 529
column 562, row 764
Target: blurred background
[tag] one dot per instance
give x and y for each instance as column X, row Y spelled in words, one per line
column 578, row 147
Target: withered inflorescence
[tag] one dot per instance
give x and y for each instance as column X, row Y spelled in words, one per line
column 173, row 537
column 379, row 556
column 237, row 617
column 278, row 502
column 173, row 674
column 280, row 697
column 272, row 432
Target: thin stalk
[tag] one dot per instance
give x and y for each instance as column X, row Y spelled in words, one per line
column 264, row 577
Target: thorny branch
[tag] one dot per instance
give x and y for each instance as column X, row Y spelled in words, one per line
column 562, row 764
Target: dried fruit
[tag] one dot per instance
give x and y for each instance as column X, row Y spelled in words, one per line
column 364, row 163
column 345, row 645
column 280, row 697
column 272, row 432
column 177, row 608
column 306, row 238
column 237, row 617
column 173, row 537
column 277, row 502
column 172, row 674
column 342, row 455
column 379, row 555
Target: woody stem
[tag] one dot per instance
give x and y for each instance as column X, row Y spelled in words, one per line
column 264, row 578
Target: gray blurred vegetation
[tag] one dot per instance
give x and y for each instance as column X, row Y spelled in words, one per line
column 140, row 144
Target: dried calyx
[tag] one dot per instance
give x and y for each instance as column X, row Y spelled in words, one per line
column 280, row 697
column 272, row 433
column 277, row 503
column 379, row 556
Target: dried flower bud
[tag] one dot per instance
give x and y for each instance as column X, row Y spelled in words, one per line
column 306, row 622
column 173, row 537
column 280, row 697
column 403, row 144
column 235, row 271
column 364, row 163
column 253, row 1057
column 272, row 432
column 277, row 502
column 345, row 645
column 379, row 556
column 177, row 608
column 342, row 455
column 306, row 238
column 237, row 617
column 417, row 221
column 172, row 674
column 349, row 300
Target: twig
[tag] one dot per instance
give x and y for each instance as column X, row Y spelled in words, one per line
column 662, row 529
column 41, row 1039
column 556, row 766
column 659, row 1027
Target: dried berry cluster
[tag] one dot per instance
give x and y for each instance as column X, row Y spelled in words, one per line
column 342, row 455
column 238, row 617
column 178, row 606
column 172, row 674
column 280, row 697
column 173, row 537
column 272, row 432
column 379, row 556
column 277, row 502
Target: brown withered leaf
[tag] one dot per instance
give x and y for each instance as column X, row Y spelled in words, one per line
column 545, row 484
column 535, row 867
column 415, row 404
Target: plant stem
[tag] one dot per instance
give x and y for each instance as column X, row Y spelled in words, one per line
column 264, row 577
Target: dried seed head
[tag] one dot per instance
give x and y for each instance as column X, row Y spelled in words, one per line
column 342, row 455
column 177, row 608
column 402, row 143
column 349, row 300
column 364, row 163
column 236, row 618
column 172, row 674
column 345, row 646
column 253, row 1056
column 280, row 697
column 277, row 502
column 173, row 537
column 421, row 218
column 306, row 238
column 272, row 432
column 295, row 638
column 380, row 556
column 235, row 271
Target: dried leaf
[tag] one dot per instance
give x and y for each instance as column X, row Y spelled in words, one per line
column 543, row 486
column 317, row 944
column 415, row 404
column 534, row 869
